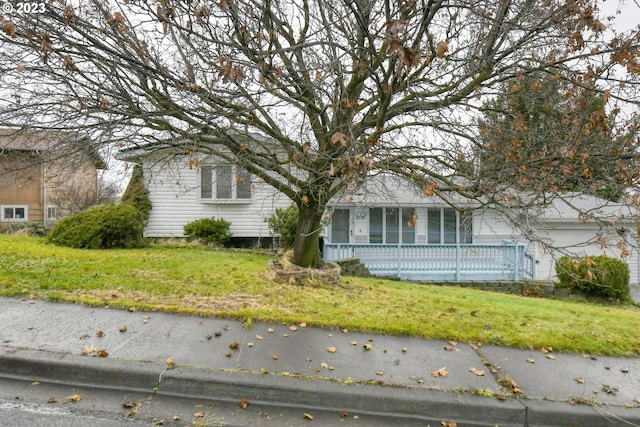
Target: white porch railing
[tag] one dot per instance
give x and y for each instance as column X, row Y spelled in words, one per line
column 458, row 262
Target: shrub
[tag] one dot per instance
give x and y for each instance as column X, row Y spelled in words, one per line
column 103, row 226
column 210, row 230
column 136, row 194
column 30, row 228
column 598, row 276
column 284, row 222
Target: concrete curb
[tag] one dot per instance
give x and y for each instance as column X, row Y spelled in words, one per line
column 287, row 391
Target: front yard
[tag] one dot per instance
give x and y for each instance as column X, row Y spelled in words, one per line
column 232, row 284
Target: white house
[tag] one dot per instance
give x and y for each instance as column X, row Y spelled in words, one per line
column 394, row 229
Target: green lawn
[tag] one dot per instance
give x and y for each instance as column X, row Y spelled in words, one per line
column 232, row 284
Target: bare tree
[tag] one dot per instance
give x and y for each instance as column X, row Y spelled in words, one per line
column 311, row 96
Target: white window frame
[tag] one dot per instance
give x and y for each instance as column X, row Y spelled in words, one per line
column 400, row 224
column 460, row 222
column 234, row 185
column 13, row 218
column 50, row 210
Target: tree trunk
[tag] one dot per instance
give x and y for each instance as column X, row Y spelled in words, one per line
column 306, row 249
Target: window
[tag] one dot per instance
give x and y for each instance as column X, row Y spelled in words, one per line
column 392, row 225
column 224, row 182
column 447, row 226
column 14, row 213
column 52, row 212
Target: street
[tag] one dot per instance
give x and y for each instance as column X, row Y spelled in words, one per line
column 38, row 404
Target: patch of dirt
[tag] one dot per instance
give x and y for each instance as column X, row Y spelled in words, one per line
column 229, row 302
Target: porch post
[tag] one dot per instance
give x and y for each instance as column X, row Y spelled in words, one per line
column 399, row 260
column 458, row 262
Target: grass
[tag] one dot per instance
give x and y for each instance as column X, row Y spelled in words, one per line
column 232, row 284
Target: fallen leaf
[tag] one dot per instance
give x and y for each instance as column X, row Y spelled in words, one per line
column 303, row 325
column 145, row 319
column 249, row 344
column 74, row 398
column 271, row 330
column 531, row 361
column 293, row 328
column 344, row 414
column 234, row 345
column 354, row 342
column 331, row 349
column 102, row 353
column 129, row 404
column 100, row 334
column 404, row 349
column 52, row 400
column 198, row 415
column 89, row 350
column 579, row 380
column 442, row 372
column 259, row 337
column 244, row 403
column 624, row 370
column 308, row 416
column 551, row 357
column 367, row 347
column 477, row 372
column 419, row 380
column 380, row 373
column 123, row 328
column 35, row 383
column 448, row 424
column 275, row 357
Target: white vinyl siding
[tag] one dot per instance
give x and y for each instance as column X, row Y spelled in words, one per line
column 175, row 194
column 224, row 183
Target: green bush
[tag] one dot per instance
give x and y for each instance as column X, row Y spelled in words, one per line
column 103, row 226
column 284, row 222
column 29, row 228
column 598, row 276
column 136, row 194
column 210, row 230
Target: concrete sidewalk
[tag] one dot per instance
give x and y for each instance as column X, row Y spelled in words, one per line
column 311, row 368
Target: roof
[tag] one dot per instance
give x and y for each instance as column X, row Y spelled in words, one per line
column 45, row 140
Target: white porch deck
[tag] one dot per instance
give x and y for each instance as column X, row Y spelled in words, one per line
column 458, row 262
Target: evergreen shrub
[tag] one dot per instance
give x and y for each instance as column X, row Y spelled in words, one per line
column 101, row 227
column 210, row 230
column 598, row 276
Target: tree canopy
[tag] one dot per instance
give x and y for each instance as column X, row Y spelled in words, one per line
column 311, row 96
column 541, row 133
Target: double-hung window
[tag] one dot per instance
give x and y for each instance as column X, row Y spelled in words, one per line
column 224, row 182
column 14, row 213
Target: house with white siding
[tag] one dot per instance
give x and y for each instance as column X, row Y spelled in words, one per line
column 394, row 229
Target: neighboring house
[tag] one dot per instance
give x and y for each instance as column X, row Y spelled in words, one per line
column 394, row 229
column 46, row 175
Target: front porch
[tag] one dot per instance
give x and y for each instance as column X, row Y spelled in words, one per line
column 453, row 262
